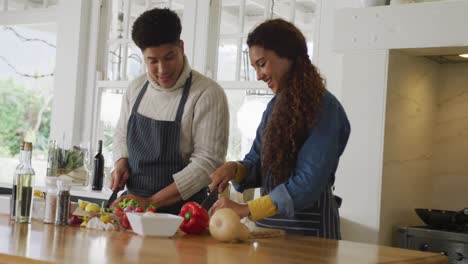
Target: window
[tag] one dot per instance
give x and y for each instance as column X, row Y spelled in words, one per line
column 124, row 62
column 110, row 98
column 247, row 97
column 27, row 64
column 15, row 5
column 245, row 108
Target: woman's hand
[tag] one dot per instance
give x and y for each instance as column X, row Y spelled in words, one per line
column 223, row 175
column 242, row 210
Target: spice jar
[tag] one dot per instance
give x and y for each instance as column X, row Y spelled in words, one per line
column 50, row 201
column 63, row 202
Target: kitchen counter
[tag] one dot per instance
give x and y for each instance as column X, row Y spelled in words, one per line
column 39, row 243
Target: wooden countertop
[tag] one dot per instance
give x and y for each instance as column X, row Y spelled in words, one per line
column 38, row 243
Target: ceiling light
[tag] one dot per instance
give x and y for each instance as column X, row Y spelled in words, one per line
column 464, row 55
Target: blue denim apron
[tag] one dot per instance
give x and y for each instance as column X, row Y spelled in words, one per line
column 153, row 152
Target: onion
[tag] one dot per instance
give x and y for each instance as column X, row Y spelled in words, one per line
column 130, row 209
column 75, row 221
column 225, row 226
column 244, row 233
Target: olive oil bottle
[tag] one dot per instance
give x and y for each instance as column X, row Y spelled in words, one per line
column 24, row 187
column 13, row 187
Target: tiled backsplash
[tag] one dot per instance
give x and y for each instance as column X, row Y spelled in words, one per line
column 408, row 145
column 450, row 167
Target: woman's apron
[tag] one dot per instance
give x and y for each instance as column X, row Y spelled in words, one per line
column 153, row 152
column 321, row 219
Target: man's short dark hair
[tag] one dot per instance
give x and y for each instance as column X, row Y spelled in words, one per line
column 156, row 27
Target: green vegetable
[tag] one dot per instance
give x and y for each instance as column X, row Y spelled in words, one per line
column 125, row 203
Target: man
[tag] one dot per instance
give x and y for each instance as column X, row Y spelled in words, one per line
column 174, row 123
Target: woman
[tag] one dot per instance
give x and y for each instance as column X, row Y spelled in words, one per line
column 302, row 134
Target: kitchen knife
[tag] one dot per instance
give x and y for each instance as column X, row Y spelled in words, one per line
column 210, row 199
column 112, row 199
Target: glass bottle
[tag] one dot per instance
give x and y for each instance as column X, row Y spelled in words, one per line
column 50, row 201
column 98, row 175
column 13, row 187
column 24, row 187
column 63, row 202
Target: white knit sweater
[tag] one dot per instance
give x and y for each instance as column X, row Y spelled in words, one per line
column 204, row 128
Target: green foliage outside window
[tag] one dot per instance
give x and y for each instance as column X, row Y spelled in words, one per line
column 23, row 113
column 108, row 135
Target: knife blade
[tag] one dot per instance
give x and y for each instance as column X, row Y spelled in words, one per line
column 210, row 199
column 112, row 198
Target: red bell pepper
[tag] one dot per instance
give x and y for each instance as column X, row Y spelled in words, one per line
column 196, row 218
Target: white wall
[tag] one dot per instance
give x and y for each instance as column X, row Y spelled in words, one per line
column 359, row 178
column 359, row 212
column 70, row 76
column 422, row 25
column 329, row 61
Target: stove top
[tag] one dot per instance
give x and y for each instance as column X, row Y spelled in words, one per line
column 454, row 229
column 459, row 234
column 450, row 242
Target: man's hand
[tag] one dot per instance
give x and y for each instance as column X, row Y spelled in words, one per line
column 142, row 201
column 119, row 175
column 242, row 210
column 223, row 175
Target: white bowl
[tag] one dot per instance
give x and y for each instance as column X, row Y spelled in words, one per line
column 154, row 224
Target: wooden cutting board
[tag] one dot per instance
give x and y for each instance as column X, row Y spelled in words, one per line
column 261, row 232
column 80, row 212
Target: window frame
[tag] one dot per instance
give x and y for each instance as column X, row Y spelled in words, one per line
column 78, row 41
column 196, row 13
column 240, row 35
column 102, row 82
column 102, row 86
column 44, row 15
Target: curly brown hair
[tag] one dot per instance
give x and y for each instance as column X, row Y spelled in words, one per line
column 156, row 27
column 297, row 105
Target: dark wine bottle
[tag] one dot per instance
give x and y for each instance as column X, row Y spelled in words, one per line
column 98, row 175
